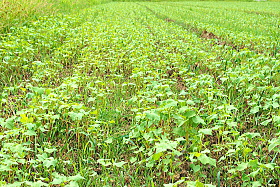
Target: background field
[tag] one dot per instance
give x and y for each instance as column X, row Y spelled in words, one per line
column 139, row 93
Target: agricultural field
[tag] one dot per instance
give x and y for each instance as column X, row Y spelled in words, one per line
column 143, row 94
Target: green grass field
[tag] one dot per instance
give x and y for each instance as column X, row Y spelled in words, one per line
column 141, row 94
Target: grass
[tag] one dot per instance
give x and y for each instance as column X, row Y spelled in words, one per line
column 13, row 12
column 142, row 94
column 20, row 12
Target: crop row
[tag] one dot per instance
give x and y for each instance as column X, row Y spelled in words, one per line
column 133, row 94
column 241, row 29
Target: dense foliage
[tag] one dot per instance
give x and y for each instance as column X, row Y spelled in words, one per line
column 143, row 94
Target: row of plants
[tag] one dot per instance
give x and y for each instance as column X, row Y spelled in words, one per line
column 126, row 94
column 248, row 29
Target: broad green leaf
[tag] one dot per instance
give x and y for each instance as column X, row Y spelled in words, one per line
column 76, row 177
column 72, row 184
column 269, row 165
column 150, row 164
column 275, row 104
column 54, row 117
column 242, row 166
column 266, row 122
column 231, row 107
column 169, row 185
column 255, row 110
column 48, row 91
column 254, row 173
column 109, row 140
column 30, row 125
column 190, row 102
column 157, row 156
column 180, row 139
column 253, row 163
column 166, row 161
column 174, row 184
column 25, row 119
column 104, row 162
column 9, row 123
column 206, row 131
column 251, row 135
column 179, row 131
column 171, row 103
column 42, row 157
column 198, row 120
column 50, row 150
column 190, row 113
column 133, row 159
column 247, row 150
column 38, row 90
column 183, row 109
column 30, row 133
column 17, row 184
column 49, row 162
column 91, row 99
column 273, row 144
column 256, row 184
column 119, row 164
column 276, row 119
column 4, row 168
column 57, row 181
column 197, row 154
column 232, row 171
column 206, row 151
column 210, row 185
column 195, row 168
column 163, row 145
column 76, row 116
column 195, row 184
column 204, row 159
column 232, row 124
column 153, row 116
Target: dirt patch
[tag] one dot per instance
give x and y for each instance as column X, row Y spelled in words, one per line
column 219, row 41
column 208, row 35
column 169, row 20
column 170, row 72
column 180, row 81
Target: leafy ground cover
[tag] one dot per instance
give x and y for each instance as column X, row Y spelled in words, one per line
column 143, row 94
